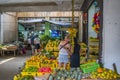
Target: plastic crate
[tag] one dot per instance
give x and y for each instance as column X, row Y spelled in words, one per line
column 53, row 66
column 48, row 65
column 32, row 63
column 28, row 73
column 28, row 64
column 42, row 73
column 43, row 65
column 90, row 68
column 39, row 74
column 68, row 66
column 88, row 64
column 55, row 61
column 56, row 65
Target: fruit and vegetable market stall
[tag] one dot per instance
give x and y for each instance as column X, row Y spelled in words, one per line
column 43, row 64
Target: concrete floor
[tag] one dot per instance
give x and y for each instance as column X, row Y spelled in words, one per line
column 9, row 65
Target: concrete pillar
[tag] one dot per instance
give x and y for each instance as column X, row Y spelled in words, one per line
column 80, row 31
column 1, row 27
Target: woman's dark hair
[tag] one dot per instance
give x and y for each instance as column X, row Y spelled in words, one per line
column 75, row 40
column 76, row 46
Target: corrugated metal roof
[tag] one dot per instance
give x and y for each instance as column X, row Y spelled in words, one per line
column 60, row 23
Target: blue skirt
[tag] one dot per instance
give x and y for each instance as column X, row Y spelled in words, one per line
column 63, row 58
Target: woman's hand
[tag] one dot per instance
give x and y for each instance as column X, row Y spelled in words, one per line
column 66, row 48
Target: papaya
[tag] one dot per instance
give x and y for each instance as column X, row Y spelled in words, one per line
column 100, row 70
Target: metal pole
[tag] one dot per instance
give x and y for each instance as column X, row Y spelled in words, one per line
column 72, row 13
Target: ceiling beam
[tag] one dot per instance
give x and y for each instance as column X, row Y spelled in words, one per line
column 34, row 8
column 38, row 5
column 29, row 4
column 28, row 1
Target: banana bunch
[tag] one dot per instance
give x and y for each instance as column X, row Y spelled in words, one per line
column 52, row 45
column 72, row 32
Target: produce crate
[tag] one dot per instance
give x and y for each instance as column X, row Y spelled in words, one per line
column 28, row 64
column 39, row 74
column 49, row 63
column 32, row 63
column 55, row 61
column 56, row 64
column 68, row 66
column 87, row 64
column 29, row 73
column 53, row 65
column 42, row 73
column 90, row 67
column 91, row 79
column 44, row 65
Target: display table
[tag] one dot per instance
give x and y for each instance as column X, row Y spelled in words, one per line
column 6, row 50
column 1, row 53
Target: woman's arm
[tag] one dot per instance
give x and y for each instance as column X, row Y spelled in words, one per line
column 70, row 49
column 59, row 46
